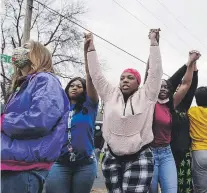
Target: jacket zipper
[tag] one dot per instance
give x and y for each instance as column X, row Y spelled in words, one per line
column 130, row 98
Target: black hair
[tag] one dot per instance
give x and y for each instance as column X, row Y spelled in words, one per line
column 80, row 99
column 201, row 96
column 170, row 103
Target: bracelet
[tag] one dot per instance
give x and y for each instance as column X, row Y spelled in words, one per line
column 91, row 50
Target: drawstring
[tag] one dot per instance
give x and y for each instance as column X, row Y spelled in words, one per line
column 131, row 107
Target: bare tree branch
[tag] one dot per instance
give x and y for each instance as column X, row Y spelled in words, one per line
column 5, row 77
column 36, row 17
column 53, row 33
column 13, row 42
column 3, row 46
column 17, row 17
column 61, row 36
column 55, row 47
column 3, row 37
column 67, row 60
column 63, row 76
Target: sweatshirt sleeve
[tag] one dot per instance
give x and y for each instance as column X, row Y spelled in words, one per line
column 177, row 77
column 47, row 107
column 187, row 100
column 155, row 72
column 102, row 86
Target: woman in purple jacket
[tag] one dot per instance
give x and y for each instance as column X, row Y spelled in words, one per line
column 34, row 121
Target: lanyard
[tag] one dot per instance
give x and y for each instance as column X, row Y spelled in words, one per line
column 71, row 113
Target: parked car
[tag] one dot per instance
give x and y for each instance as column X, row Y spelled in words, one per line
column 98, row 138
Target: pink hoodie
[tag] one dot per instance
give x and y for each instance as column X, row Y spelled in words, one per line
column 127, row 134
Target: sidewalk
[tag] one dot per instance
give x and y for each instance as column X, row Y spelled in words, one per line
column 99, row 184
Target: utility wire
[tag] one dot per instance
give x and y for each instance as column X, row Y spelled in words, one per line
column 162, row 22
column 69, row 19
column 184, row 26
column 144, row 24
column 131, row 14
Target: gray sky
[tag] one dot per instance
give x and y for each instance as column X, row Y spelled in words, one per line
column 108, row 20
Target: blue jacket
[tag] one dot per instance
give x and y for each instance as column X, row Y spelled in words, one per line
column 35, row 121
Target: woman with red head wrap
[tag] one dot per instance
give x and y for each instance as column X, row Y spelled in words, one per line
column 127, row 127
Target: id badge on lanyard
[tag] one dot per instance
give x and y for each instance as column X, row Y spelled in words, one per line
column 71, row 113
column 70, row 149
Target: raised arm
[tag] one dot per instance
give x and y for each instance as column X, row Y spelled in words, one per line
column 147, row 67
column 146, row 71
column 187, row 100
column 155, row 72
column 102, row 86
column 177, row 77
column 91, row 91
column 187, row 79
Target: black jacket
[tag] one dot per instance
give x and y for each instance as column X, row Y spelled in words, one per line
column 181, row 141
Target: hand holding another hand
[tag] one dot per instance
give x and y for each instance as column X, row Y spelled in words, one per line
column 88, row 43
column 154, row 35
column 194, row 55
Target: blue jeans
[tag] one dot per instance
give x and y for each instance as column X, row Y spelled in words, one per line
column 199, row 170
column 23, row 181
column 71, row 178
column 165, row 172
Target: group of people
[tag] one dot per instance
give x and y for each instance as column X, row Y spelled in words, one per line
column 153, row 137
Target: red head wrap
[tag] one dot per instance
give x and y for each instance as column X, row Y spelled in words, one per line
column 135, row 73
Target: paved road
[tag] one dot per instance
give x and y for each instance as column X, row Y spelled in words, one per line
column 99, row 181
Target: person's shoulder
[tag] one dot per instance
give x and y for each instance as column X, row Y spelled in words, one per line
column 89, row 103
column 193, row 110
column 47, row 76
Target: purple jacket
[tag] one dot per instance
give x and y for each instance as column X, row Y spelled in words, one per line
column 35, row 121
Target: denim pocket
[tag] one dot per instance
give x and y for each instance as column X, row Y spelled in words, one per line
column 41, row 175
column 168, row 150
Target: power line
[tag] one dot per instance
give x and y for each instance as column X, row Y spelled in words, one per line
column 90, row 31
column 131, row 13
column 161, row 22
column 69, row 19
column 120, row 55
column 184, row 26
column 144, row 24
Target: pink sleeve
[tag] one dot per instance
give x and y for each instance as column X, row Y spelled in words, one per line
column 153, row 83
column 103, row 87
